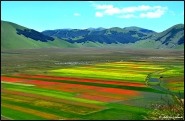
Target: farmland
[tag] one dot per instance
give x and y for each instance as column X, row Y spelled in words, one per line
column 86, row 83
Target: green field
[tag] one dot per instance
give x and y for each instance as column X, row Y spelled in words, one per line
column 113, row 84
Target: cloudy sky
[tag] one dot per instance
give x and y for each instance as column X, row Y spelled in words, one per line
column 46, row 15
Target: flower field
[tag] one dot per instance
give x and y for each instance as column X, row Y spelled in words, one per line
column 97, row 91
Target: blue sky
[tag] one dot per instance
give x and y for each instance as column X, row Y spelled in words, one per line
column 46, row 15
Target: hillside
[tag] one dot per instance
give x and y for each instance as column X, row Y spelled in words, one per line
column 139, row 29
column 172, row 38
column 108, row 36
column 14, row 36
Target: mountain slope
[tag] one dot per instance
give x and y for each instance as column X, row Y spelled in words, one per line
column 108, row 36
column 172, row 36
column 14, row 36
column 134, row 28
column 10, row 39
column 131, row 36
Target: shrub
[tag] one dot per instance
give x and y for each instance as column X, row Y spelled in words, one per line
column 167, row 111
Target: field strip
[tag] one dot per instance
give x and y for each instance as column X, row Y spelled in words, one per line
column 126, row 83
column 106, row 95
column 98, row 73
column 96, row 97
column 55, row 99
column 60, row 96
column 13, row 83
column 9, row 79
column 31, row 111
column 116, row 70
column 36, row 103
column 127, row 107
column 114, row 77
column 89, row 91
column 37, row 89
column 95, row 76
column 145, row 89
column 17, row 115
column 67, row 78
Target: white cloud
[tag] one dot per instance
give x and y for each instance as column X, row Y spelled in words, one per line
column 134, row 8
column 141, row 8
column 152, row 11
column 98, row 14
column 76, row 14
column 128, row 16
column 144, row 7
column 129, row 9
column 112, row 11
column 108, row 9
column 157, row 14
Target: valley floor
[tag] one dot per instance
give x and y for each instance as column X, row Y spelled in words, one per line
column 87, row 83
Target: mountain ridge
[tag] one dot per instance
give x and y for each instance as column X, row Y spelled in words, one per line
column 136, row 37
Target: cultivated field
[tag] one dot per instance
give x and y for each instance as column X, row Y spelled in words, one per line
column 87, row 83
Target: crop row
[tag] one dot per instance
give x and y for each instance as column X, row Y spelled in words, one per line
column 74, row 83
column 65, row 89
column 124, row 83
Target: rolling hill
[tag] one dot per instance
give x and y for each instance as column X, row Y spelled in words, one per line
column 14, row 36
column 130, row 36
column 108, row 36
column 12, row 39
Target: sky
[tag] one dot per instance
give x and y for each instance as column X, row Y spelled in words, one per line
column 51, row 15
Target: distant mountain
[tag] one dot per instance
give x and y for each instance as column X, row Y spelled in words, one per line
column 99, row 29
column 90, row 28
column 139, row 37
column 64, row 29
column 101, row 35
column 14, row 36
column 172, row 36
column 113, row 35
column 134, row 28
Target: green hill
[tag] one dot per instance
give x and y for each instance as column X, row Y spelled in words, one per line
column 14, row 36
column 136, row 37
column 11, row 40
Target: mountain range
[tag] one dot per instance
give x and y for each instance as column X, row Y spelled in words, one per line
column 14, row 36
